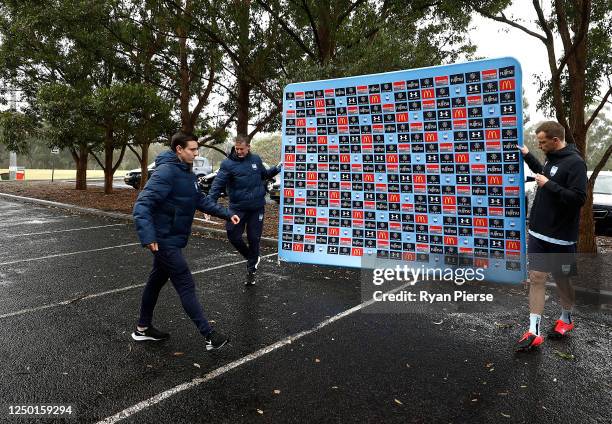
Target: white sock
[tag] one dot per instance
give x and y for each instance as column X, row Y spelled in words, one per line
column 534, row 323
column 566, row 316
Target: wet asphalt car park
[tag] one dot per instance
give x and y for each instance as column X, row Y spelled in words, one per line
column 305, row 348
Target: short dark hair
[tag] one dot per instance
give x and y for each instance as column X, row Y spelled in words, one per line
column 242, row 139
column 552, row 129
column 181, row 139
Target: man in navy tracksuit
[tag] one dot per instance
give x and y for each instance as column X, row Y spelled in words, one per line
column 163, row 214
column 243, row 176
column 553, row 228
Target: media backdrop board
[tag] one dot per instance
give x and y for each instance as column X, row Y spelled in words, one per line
column 418, row 166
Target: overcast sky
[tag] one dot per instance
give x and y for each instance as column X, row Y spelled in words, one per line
column 494, row 39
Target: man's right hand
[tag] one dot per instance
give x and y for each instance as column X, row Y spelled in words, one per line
column 524, row 150
column 235, row 219
column 153, row 247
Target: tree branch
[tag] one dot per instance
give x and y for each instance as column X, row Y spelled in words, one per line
column 135, row 152
column 598, row 108
column 261, row 124
column 289, row 31
column 119, row 159
column 507, row 21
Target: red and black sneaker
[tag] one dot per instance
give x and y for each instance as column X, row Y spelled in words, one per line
column 560, row 329
column 528, row 342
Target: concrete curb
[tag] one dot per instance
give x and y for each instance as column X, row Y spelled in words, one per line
column 268, row 241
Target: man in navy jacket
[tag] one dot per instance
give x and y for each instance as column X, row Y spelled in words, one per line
column 163, row 214
column 243, row 176
column 553, row 228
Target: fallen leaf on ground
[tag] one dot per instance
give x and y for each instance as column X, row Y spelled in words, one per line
column 502, row 325
column 277, row 392
column 564, row 355
column 178, row 353
column 398, row 402
column 317, row 360
column 438, row 323
column 505, row 415
column 196, row 365
column 259, row 411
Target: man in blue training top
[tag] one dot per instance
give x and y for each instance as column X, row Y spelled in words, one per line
column 163, row 214
column 243, row 176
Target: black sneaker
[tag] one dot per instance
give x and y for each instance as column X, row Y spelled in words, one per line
column 250, row 280
column 215, row 340
column 151, row 333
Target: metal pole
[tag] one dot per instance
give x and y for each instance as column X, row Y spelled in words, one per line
column 13, row 155
column 12, row 166
column 52, row 166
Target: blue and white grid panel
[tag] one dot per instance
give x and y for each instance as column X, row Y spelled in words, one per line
column 419, row 166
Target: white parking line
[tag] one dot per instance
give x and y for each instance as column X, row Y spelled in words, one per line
column 61, row 231
column 119, row 290
column 235, row 364
column 67, row 254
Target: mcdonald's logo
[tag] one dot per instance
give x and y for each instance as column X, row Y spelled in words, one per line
column 459, row 113
column 301, row 122
column 320, row 103
column 449, row 200
column 401, row 117
column 334, row 195
column 421, row 219
column 494, row 179
column 507, row 84
column 322, row 139
column 431, row 136
column 382, row 235
column 368, row 178
column 450, row 241
column 418, row 179
column 298, row 247
column 288, row 192
column 342, row 120
column 311, row 212
column 366, row 139
column 394, row 197
column 513, row 245
column 480, row 222
column 392, row 158
column 311, row 176
column 481, row 263
column 492, row 135
column 357, row 251
column 358, row 214
column 427, row 93
column 333, row 231
column 345, row 158
column 289, row 157
column 461, row 158
column 375, row 98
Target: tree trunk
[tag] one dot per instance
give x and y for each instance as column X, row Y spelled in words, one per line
column 243, row 104
column 586, row 237
column 144, row 165
column 81, row 166
column 108, row 161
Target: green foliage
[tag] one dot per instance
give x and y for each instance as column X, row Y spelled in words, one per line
column 268, row 146
column 16, row 130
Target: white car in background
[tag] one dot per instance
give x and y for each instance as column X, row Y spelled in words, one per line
column 201, row 167
column 602, row 199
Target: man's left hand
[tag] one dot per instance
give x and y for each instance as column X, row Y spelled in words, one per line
column 541, row 179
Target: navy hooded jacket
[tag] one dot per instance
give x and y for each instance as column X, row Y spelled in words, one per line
column 556, row 208
column 164, row 209
column 244, row 180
